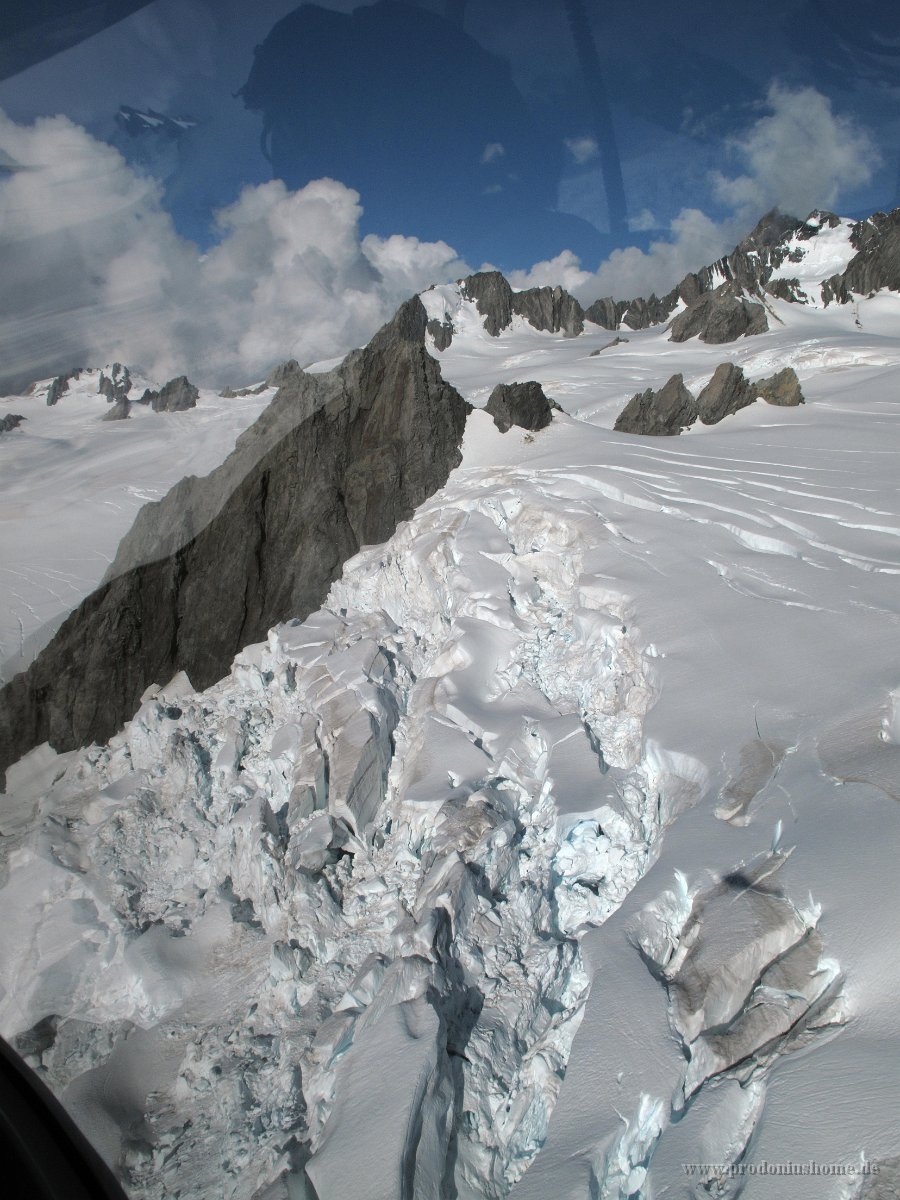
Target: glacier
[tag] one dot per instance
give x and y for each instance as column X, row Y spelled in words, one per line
column 554, row 852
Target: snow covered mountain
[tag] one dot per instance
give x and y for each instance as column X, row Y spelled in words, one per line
column 554, row 853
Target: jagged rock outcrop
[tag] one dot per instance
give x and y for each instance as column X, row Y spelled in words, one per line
column 10, row 421
column 673, row 408
column 60, row 385
column 283, row 372
column 115, row 386
column 722, row 315
column 334, row 463
column 782, row 388
column 522, row 404
column 641, row 313
column 177, row 395
column 442, row 332
column 607, row 312
column 659, row 414
column 547, row 308
column 726, row 393
column 492, row 296
column 876, row 263
column 551, row 309
column 277, row 377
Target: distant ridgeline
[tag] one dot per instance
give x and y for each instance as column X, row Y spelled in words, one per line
column 721, row 302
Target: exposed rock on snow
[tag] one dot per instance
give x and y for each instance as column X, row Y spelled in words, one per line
column 726, row 393
column 59, row 386
column 722, row 315
column 607, row 312
column 550, row 309
column 522, row 404
column 876, row 263
column 315, row 480
column 115, row 386
column 782, row 389
column 660, row 413
column 673, row 408
column 10, row 421
column 177, row 395
column 283, row 373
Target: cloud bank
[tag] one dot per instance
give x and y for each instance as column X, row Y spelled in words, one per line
column 94, row 269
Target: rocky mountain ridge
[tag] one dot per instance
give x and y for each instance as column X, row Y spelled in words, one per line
column 722, row 301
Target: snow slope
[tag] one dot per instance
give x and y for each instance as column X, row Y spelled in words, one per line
column 555, row 853
column 71, row 484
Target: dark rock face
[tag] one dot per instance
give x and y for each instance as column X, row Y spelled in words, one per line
column 115, row 387
column 10, row 422
column 492, row 296
column 442, row 332
column 673, row 408
column 659, row 414
column 522, row 404
column 727, row 392
column 547, row 308
column 60, row 385
column 782, row 388
column 722, row 315
column 335, row 462
column 641, row 314
column 876, row 263
column 786, row 289
column 551, row 309
column 606, row 312
column 177, row 395
column 283, row 372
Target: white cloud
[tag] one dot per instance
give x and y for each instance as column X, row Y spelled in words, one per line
column 629, row 272
column 582, row 149
column 94, row 269
column 799, row 157
column 643, row 222
column 492, row 151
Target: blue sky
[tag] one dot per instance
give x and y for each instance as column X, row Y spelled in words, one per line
column 610, row 144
